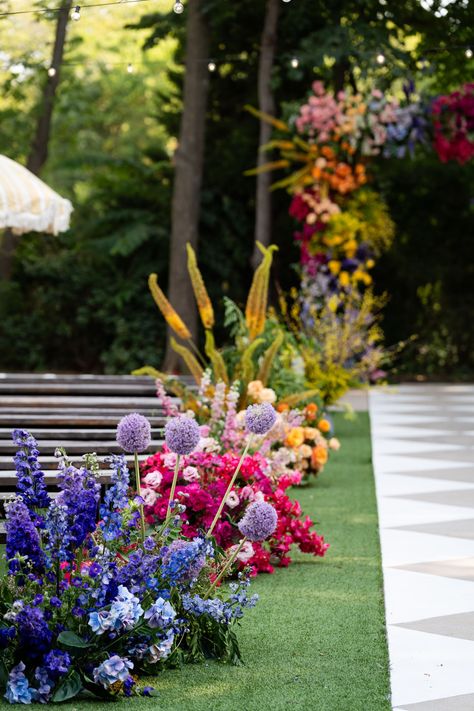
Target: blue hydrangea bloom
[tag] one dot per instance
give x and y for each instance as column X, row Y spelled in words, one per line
column 113, row 669
column 160, row 614
column 161, row 649
column 124, row 613
column 45, row 686
column 18, row 690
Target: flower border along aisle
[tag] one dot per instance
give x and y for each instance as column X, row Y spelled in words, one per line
column 92, row 601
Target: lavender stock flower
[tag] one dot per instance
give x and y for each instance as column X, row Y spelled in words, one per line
column 134, row 433
column 259, row 419
column 182, row 434
column 259, row 522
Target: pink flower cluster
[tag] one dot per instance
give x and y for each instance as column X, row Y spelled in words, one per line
column 454, row 125
column 201, row 484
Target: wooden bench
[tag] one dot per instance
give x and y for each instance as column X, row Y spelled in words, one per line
column 77, row 412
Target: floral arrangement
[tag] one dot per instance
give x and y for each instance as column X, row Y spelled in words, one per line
column 365, row 125
column 256, row 349
column 201, row 485
column 93, row 600
column 296, row 448
column 454, row 125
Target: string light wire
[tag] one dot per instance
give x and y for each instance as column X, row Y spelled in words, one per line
column 83, row 7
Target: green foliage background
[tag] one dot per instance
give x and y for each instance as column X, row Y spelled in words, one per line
column 80, row 302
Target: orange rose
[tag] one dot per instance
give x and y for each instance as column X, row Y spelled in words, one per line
column 282, row 407
column 295, row 437
column 311, row 410
column 319, row 456
column 324, row 426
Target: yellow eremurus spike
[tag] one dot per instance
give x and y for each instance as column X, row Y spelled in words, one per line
column 256, row 308
column 204, row 304
column 172, row 318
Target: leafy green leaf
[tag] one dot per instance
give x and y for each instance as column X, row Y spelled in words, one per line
column 71, row 639
column 3, row 674
column 68, row 688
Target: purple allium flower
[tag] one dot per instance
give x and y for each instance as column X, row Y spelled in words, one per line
column 259, row 522
column 134, row 433
column 182, row 434
column 259, row 419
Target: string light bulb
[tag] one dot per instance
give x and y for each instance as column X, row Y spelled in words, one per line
column 469, row 53
column 76, row 13
column 51, row 72
column 212, row 66
column 380, row 58
column 295, row 62
column 178, row 7
column 130, row 68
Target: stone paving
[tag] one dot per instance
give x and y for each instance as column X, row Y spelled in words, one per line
column 423, row 452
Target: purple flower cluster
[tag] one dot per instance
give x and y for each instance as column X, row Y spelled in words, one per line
column 30, row 479
column 57, row 663
column 259, row 522
column 259, row 419
column 134, row 433
column 116, row 499
column 182, row 561
column 34, row 634
column 81, row 576
column 80, row 494
column 182, row 434
column 22, row 538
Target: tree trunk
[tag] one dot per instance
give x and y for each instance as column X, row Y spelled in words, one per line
column 39, row 148
column 263, row 206
column 189, row 162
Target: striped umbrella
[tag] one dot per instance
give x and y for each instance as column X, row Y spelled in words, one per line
column 29, row 205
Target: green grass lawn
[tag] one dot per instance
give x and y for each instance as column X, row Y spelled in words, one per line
column 316, row 640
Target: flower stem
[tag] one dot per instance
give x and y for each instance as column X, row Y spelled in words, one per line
column 226, row 567
column 173, row 486
column 231, row 484
column 139, row 492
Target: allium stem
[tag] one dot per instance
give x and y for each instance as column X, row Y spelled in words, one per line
column 231, row 484
column 139, row 492
column 173, row 486
column 226, row 567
